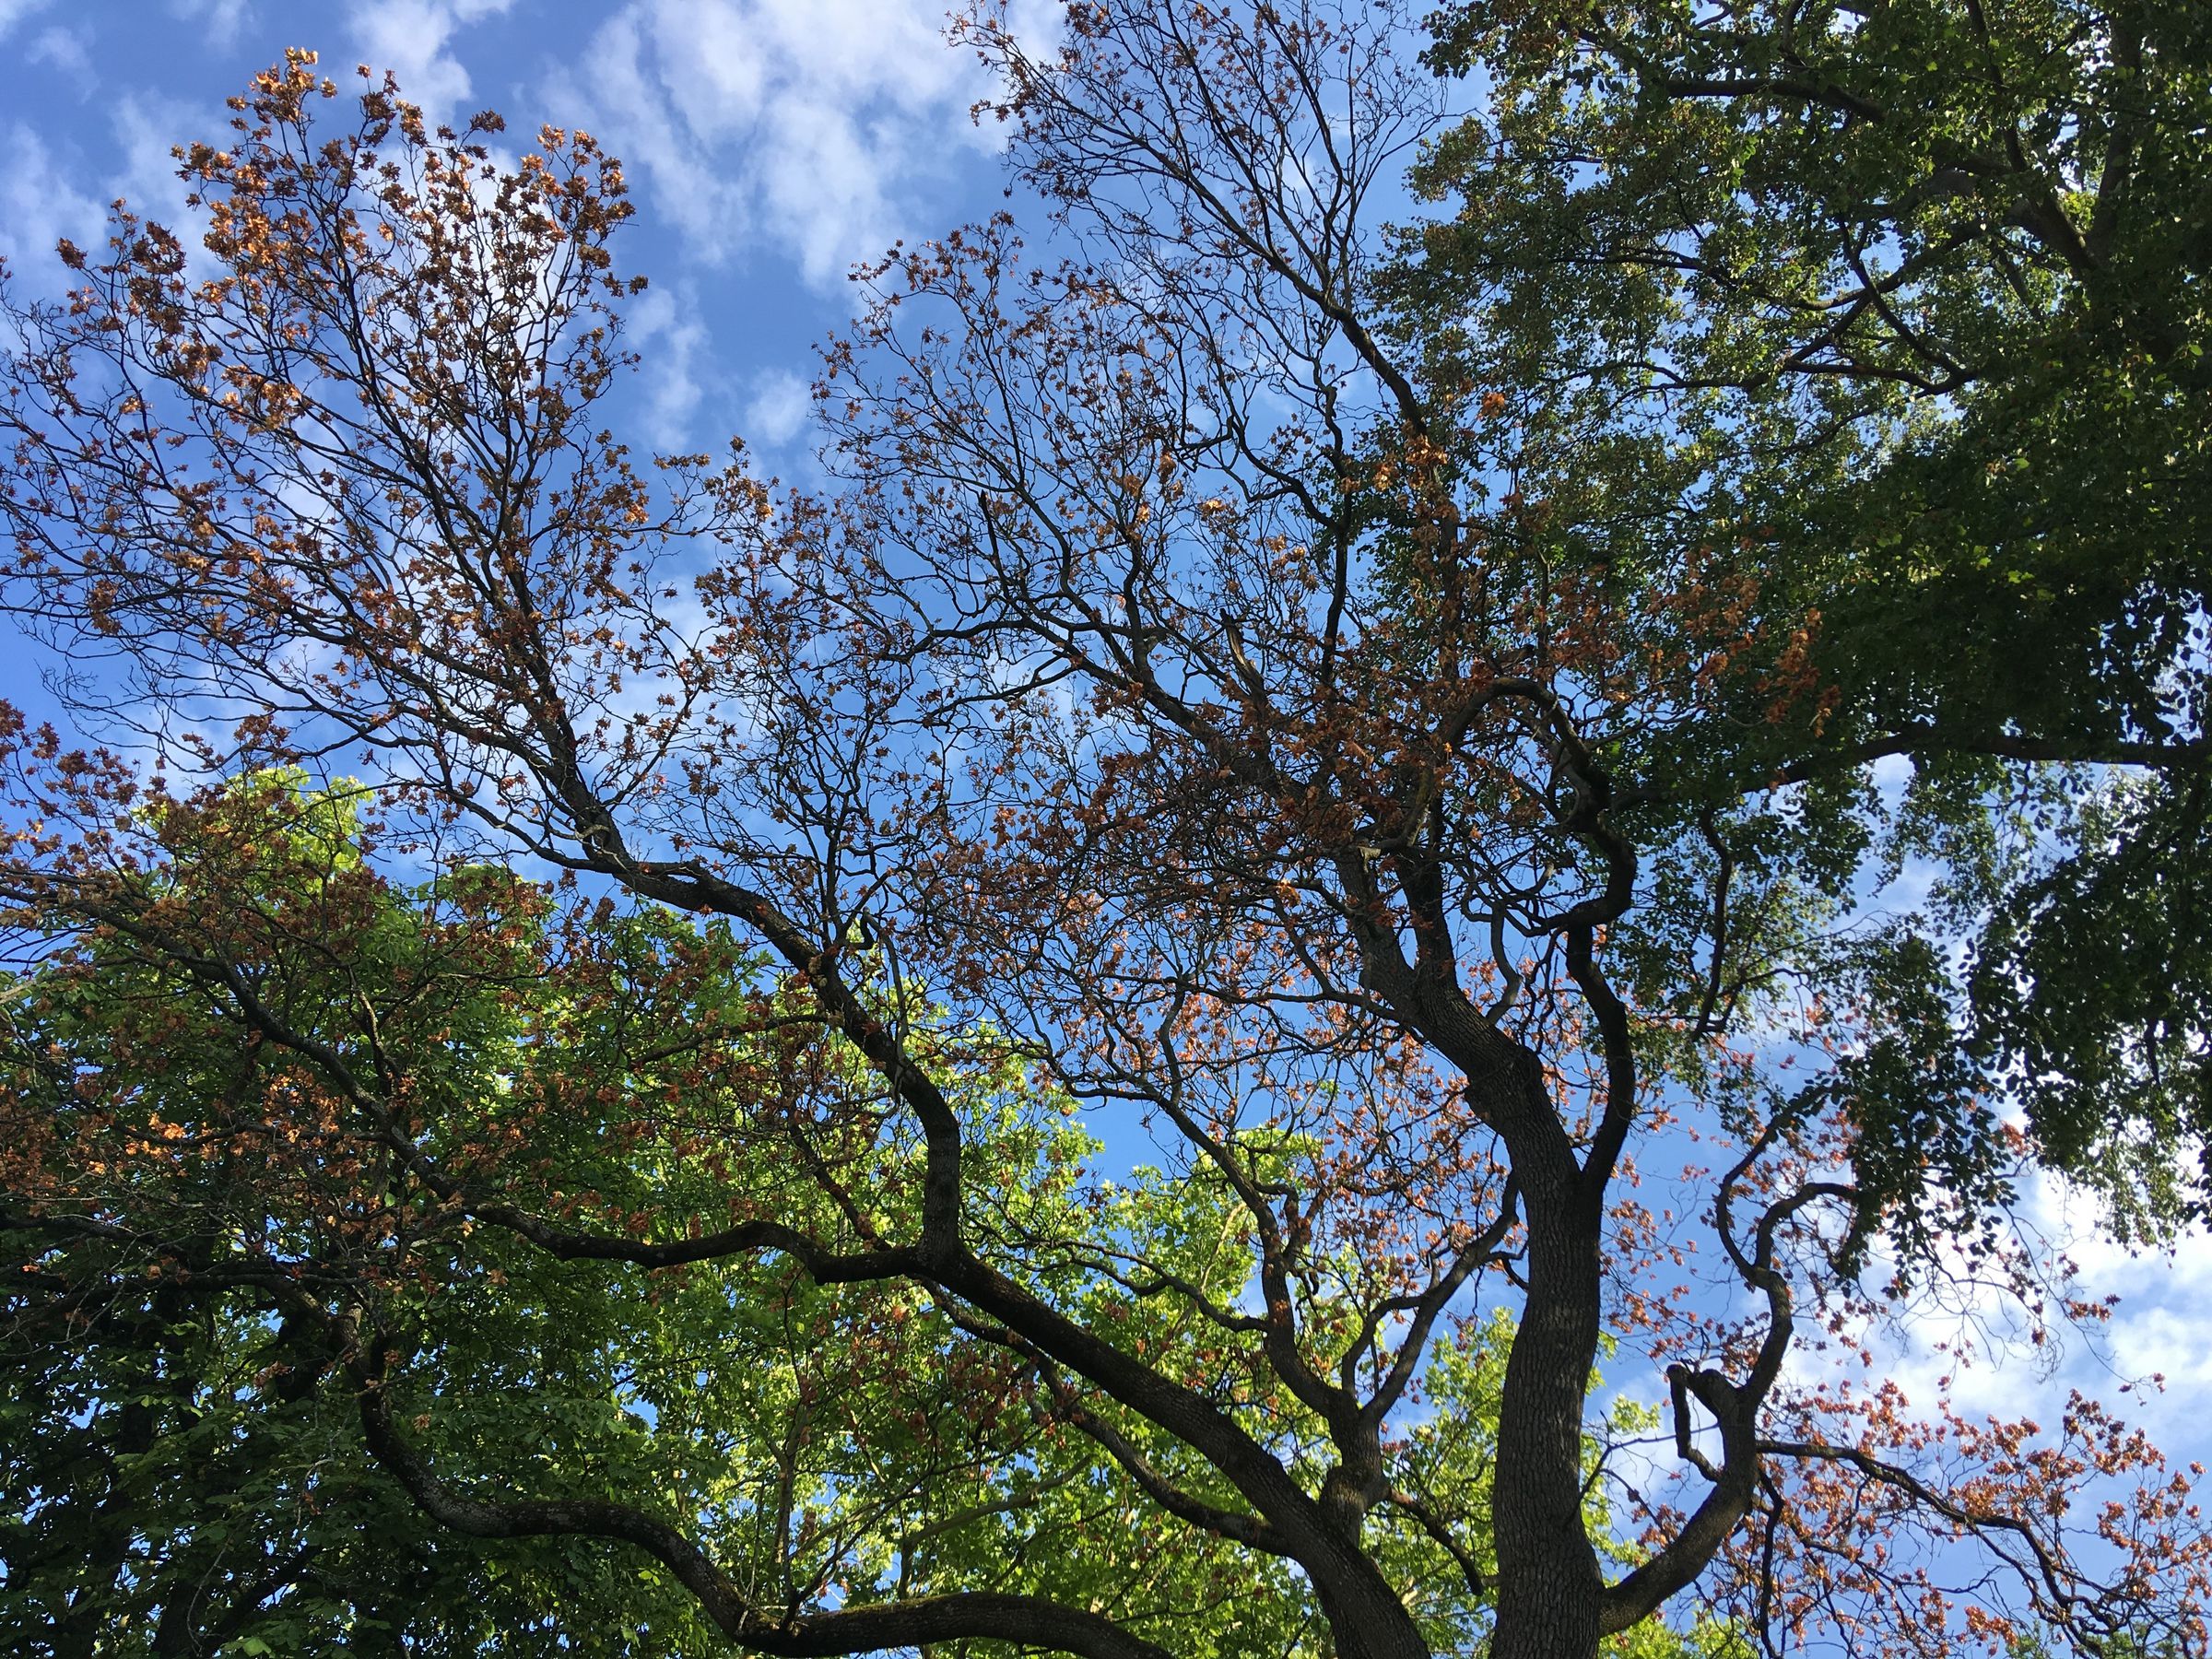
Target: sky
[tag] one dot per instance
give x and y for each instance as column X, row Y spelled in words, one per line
column 770, row 145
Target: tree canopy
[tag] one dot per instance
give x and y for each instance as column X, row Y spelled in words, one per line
column 1897, row 314
column 546, row 1053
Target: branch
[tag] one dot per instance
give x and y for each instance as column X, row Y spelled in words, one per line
column 2059, row 1579
column 1426, row 1307
column 1435, row 1526
column 1734, row 1407
column 1249, row 1530
column 1032, row 1621
column 2002, row 745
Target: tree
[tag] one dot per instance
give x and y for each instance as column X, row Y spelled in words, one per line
column 1153, row 721
column 1898, row 313
column 189, row 1471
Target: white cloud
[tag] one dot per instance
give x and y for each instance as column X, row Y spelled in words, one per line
column 13, row 12
column 667, row 321
column 411, row 39
column 38, row 206
column 42, row 199
column 809, row 126
column 2160, row 1328
column 222, row 20
column 147, row 129
column 778, row 409
column 65, row 50
column 2151, row 1361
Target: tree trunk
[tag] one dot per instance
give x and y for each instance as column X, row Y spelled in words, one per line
column 1359, row 1634
column 1549, row 1587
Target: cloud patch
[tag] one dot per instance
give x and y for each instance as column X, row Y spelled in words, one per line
column 222, row 20
column 820, row 129
column 665, row 329
column 413, row 39
column 39, row 203
column 67, row 51
column 778, row 409
column 13, row 12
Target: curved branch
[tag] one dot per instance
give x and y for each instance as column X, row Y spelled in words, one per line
column 1032, row 1621
column 1440, row 1531
column 1734, row 1407
column 2047, row 1572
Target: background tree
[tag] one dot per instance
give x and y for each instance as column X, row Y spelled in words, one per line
column 1158, row 710
column 188, row 1471
column 1897, row 312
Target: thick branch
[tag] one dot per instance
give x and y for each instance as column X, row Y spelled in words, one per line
column 979, row 1615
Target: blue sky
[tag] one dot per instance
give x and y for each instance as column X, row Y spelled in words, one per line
column 770, row 145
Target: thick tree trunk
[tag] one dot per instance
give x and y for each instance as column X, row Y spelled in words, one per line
column 1549, row 1590
column 1380, row 1628
column 1549, row 1587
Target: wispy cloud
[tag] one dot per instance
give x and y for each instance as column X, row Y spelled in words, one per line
column 778, row 409
column 666, row 326
column 39, row 203
column 147, row 129
column 67, row 51
column 222, row 20
column 13, row 12
column 813, row 128
column 414, row 40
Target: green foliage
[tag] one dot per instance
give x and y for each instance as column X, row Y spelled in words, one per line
column 1890, row 322
column 2095, row 981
